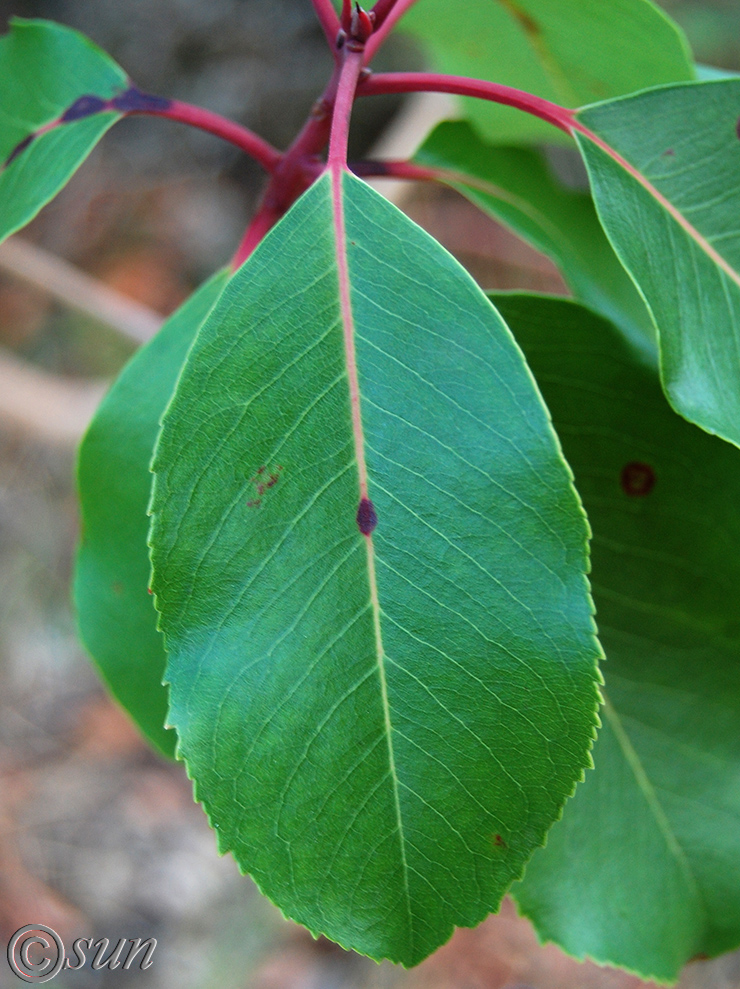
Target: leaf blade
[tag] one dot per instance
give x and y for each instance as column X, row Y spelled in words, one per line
column 44, row 69
column 115, row 612
column 677, row 185
column 641, row 871
column 286, row 709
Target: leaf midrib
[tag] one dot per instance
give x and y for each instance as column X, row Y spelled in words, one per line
column 336, row 176
column 651, row 798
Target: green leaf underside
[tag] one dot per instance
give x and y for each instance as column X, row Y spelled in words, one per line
column 516, row 186
column 683, row 140
column 570, row 51
column 44, row 68
column 377, row 795
column 116, row 615
column 643, row 871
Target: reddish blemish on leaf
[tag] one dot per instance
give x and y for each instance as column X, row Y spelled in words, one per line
column 367, row 517
column 134, row 101
column 255, row 503
column 149, row 590
column 668, row 153
column 85, row 106
column 637, row 479
column 21, row 146
column 499, row 841
column 737, row 127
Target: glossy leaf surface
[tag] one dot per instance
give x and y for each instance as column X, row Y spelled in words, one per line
column 671, row 208
column 381, row 727
column 516, row 186
column 116, row 615
column 44, row 69
column 572, row 52
column 643, row 870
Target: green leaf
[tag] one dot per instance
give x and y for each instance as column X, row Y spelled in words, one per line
column 643, row 871
column 670, row 204
column 116, row 615
column 44, row 69
column 570, row 51
column 381, row 727
column 516, row 186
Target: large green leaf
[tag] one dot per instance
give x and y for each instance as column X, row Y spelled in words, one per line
column 516, row 186
column 45, row 69
column 381, row 720
column 570, row 51
column 670, row 204
column 116, row 615
column 643, row 871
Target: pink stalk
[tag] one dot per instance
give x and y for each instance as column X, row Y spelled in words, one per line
column 430, row 82
column 395, row 169
column 336, row 165
column 255, row 146
column 351, row 69
column 387, row 16
column 329, row 21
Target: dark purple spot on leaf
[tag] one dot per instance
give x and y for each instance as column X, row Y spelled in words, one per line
column 21, row 146
column 134, row 101
column 637, row 479
column 367, row 517
column 737, row 127
column 668, row 153
column 85, row 106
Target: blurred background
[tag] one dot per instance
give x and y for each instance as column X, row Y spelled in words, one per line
column 99, row 837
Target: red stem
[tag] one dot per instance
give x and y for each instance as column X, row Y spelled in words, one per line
column 259, row 149
column 396, row 169
column 385, row 21
column 429, row 82
column 329, row 21
column 351, row 68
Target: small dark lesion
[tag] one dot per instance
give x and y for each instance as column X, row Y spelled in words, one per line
column 18, row 149
column 637, row 479
column 134, row 100
column 83, row 107
column 367, row 517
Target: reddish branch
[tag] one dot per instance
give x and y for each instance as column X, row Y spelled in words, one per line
column 328, row 19
column 430, row 82
column 243, row 138
column 363, row 33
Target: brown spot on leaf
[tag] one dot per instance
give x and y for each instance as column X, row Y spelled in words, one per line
column 499, row 841
column 668, row 153
column 528, row 24
column 637, row 479
column 83, row 107
column 117, row 588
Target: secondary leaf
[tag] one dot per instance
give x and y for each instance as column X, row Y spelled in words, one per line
column 670, row 206
column 116, row 616
column 45, row 69
column 381, row 727
column 570, row 51
column 643, row 871
column 516, row 186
